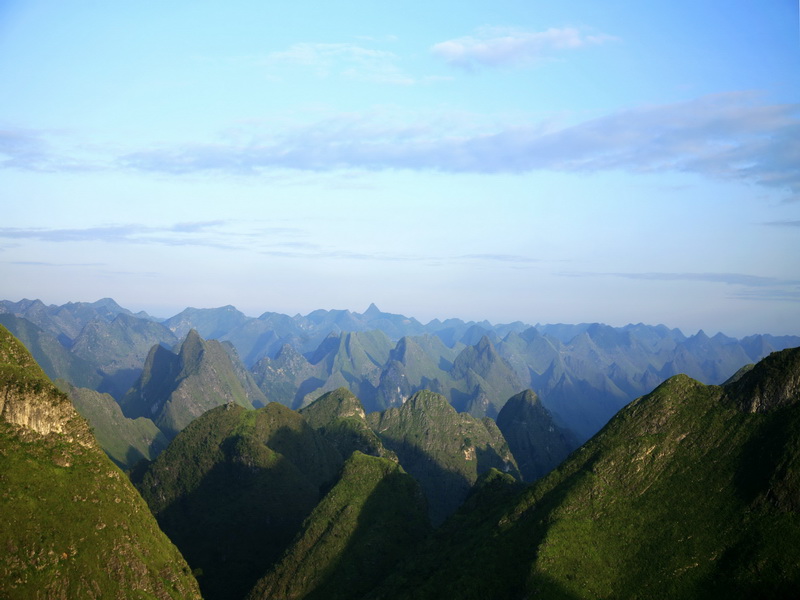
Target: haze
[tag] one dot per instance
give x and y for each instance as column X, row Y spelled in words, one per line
column 613, row 162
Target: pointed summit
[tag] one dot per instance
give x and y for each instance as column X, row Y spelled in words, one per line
column 535, row 440
column 373, row 311
column 174, row 389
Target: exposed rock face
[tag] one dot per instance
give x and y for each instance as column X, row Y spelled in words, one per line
column 29, row 400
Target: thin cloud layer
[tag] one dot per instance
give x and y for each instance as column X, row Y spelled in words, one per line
column 724, row 136
column 181, row 234
column 753, row 287
column 494, row 47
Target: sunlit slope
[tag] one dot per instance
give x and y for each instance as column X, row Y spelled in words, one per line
column 72, row 524
column 692, row 491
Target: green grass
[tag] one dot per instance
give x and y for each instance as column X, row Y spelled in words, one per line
column 72, row 524
column 683, row 495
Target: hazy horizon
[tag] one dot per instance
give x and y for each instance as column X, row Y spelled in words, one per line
column 616, row 162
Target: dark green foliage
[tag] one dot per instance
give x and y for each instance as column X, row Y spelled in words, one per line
column 685, row 494
column 233, row 488
column 340, row 418
column 72, row 524
column 371, row 518
column 442, row 449
column 535, row 440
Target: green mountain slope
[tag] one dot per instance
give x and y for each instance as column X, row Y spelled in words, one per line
column 690, row 492
column 442, row 449
column 233, row 488
column 126, row 441
column 118, row 349
column 340, row 418
column 535, row 440
column 56, row 361
column 288, row 377
column 73, row 526
column 373, row 516
column 174, row 389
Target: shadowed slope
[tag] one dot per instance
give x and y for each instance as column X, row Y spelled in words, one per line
column 372, row 517
column 233, row 488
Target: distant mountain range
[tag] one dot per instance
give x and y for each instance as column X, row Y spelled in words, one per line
column 582, row 373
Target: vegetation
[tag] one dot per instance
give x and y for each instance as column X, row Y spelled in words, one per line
column 174, row 389
column 534, row 438
column 442, row 449
column 340, row 418
column 371, row 518
column 233, row 488
column 73, row 526
column 126, row 441
column 685, row 494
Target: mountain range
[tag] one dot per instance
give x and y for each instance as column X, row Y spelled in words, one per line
column 583, row 374
column 692, row 490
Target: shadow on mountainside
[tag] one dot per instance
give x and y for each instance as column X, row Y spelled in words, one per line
column 482, row 553
column 237, row 519
column 445, row 489
column 343, row 555
column 118, row 383
column 228, row 530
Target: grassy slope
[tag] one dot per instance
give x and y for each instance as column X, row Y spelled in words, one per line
column 72, row 525
column 126, row 441
column 370, row 519
column 683, row 495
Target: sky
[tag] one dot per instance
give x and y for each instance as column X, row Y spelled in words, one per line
column 616, row 162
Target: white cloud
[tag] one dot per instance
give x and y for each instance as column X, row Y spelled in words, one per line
column 724, row 136
column 494, row 47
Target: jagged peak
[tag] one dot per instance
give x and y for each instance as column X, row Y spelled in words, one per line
column 484, row 344
column 192, row 347
column 771, row 384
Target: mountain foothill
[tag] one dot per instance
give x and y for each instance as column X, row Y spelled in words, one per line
column 358, row 456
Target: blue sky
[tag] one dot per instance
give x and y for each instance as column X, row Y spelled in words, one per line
column 618, row 162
